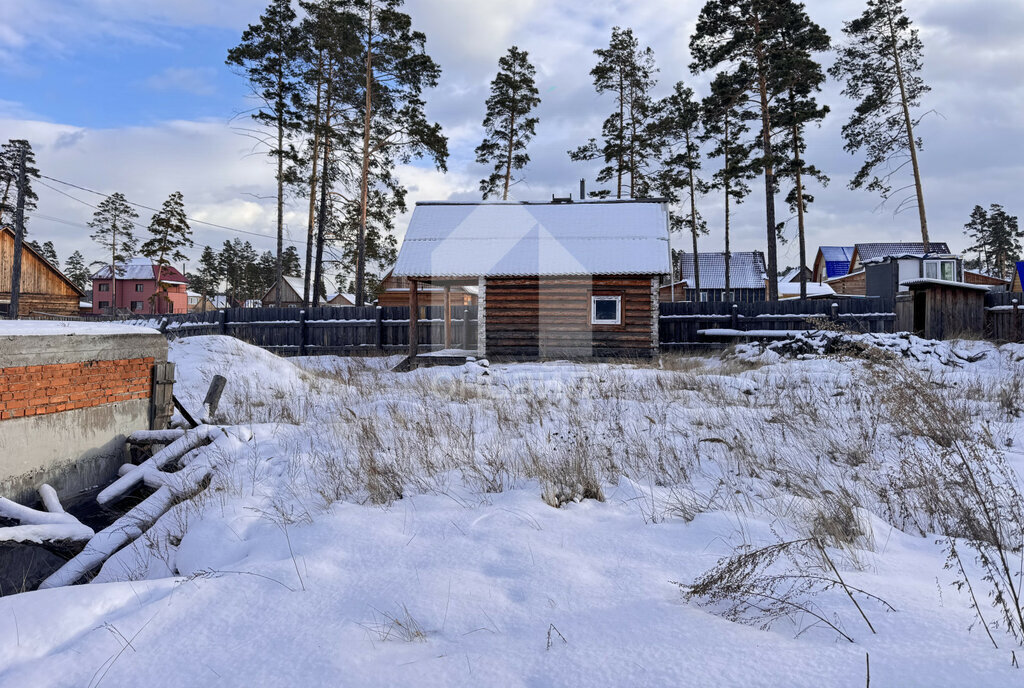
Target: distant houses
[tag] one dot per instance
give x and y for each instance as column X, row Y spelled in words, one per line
column 45, row 290
column 135, row 289
column 748, row 277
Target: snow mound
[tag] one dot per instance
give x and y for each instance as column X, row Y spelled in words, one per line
column 871, row 345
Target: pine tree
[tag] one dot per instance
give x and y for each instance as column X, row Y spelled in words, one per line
column 796, row 109
column 269, row 58
column 290, row 264
column 76, row 270
column 996, row 236
column 47, row 251
column 725, row 127
column 169, row 234
column 881, row 68
column 508, row 125
column 113, row 223
column 628, row 143
column 761, row 40
column 395, row 70
column 206, row 280
column 10, row 156
column 237, row 261
column 679, row 132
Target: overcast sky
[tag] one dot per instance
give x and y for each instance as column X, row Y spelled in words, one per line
column 134, row 96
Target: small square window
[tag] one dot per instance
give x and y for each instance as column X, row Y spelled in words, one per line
column 136, row 305
column 703, row 297
column 140, row 286
column 606, row 310
column 105, row 286
column 104, row 304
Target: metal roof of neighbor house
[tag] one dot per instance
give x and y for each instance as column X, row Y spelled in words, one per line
column 746, row 270
column 837, row 259
column 140, row 268
column 871, row 251
column 535, row 239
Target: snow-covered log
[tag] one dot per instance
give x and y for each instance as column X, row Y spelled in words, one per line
column 175, row 486
column 188, row 441
column 155, row 436
column 41, row 526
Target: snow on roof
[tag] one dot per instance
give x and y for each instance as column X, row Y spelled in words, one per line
column 746, row 270
column 511, row 239
column 787, row 288
column 871, row 251
column 924, row 281
column 141, row 268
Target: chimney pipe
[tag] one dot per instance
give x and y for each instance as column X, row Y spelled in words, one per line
column 583, row 189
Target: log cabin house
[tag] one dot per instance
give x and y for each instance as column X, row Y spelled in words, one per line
column 44, row 288
column 394, row 291
column 558, row 279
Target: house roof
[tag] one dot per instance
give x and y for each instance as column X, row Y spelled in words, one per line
column 140, row 268
column 925, row 282
column 872, row 251
column 535, row 239
column 791, row 289
column 746, row 270
column 837, row 259
column 28, row 247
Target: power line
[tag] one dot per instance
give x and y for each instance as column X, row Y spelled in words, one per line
column 155, row 210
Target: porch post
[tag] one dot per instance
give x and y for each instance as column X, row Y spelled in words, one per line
column 414, row 316
column 447, row 316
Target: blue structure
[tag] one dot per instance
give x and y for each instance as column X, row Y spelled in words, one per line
column 832, row 261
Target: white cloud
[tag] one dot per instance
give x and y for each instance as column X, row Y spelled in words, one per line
column 197, row 81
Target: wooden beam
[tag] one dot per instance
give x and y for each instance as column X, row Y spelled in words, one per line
column 414, row 316
column 447, row 316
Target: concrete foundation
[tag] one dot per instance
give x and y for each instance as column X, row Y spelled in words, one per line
column 73, row 449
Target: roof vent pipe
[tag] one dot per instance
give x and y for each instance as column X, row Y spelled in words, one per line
column 583, row 189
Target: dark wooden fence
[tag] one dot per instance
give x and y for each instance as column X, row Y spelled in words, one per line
column 681, row 323
column 1003, row 316
column 351, row 330
column 342, row 330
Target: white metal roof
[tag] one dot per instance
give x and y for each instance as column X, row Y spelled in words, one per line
column 925, row 281
column 746, row 269
column 535, row 239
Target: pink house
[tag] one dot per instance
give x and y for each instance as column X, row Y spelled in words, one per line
column 135, row 289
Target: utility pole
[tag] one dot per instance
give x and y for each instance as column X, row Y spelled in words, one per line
column 19, row 239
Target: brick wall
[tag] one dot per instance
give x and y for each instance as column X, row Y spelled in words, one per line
column 41, row 389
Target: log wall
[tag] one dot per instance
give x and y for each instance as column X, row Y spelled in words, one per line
column 550, row 317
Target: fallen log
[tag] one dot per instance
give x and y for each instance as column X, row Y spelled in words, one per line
column 42, row 526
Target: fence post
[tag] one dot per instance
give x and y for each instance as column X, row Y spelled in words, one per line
column 735, row 319
column 302, row 332
column 378, row 338
column 224, row 321
column 835, row 312
column 465, row 328
column 1016, row 320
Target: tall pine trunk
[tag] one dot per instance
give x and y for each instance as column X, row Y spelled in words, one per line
column 728, row 255
column 511, row 135
column 364, row 185
column 312, row 184
column 798, row 172
column 318, row 271
column 769, row 178
column 280, row 208
column 622, row 131
column 693, row 221
column 910, row 129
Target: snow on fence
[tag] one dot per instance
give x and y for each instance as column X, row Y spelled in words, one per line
column 1004, row 313
column 682, row 323
column 324, row 330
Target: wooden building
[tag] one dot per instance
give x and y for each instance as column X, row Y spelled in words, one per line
column 394, row 291
column 748, row 277
column 830, row 262
column 44, row 288
column 558, row 279
column 939, row 309
column 976, row 277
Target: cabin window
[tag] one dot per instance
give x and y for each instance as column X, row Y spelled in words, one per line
column 703, row 297
column 104, row 286
column 136, row 305
column 140, row 286
column 940, row 269
column 606, row 310
column 104, row 304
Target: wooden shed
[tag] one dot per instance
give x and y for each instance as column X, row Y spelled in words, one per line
column 940, row 309
column 555, row 280
column 44, row 288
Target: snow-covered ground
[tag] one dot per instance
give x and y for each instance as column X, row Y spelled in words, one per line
column 398, row 528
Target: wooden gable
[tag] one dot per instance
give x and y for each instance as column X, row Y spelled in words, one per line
column 38, row 276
